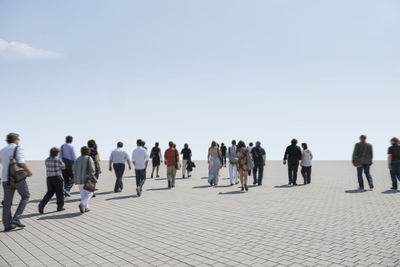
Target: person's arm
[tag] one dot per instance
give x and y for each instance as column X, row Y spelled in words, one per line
column 390, row 161
column 160, row 155
column 372, row 154
column 62, row 165
column 128, row 161
column 354, row 157
column 146, row 157
column 98, row 161
column 311, row 156
column 285, row 156
column 73, row 153
column 165, row 157
column 302, row 158
column 208, row 156
column 20, row 161
column 110, row 165
column 91, row 168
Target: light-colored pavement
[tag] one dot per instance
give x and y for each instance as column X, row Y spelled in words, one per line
column 322, row 224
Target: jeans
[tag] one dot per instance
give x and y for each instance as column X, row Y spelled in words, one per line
column 223, row 160
column 260, row 168
column 233, row 173
column 55, row 185
column 85, row 196
column 67, row 174
column 171, row 175
column 9, row 190
column 184, row 167
column 140, row 178
column 360, row 169
column 119, row 169
column 395, row 173
column 306, row 173
column 292, row 170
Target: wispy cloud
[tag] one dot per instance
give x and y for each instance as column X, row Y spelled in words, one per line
column 21, row 51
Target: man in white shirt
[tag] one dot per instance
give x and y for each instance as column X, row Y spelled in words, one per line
column 118, row 158
column 233, row 161
column 140, row 159
column 11, row 222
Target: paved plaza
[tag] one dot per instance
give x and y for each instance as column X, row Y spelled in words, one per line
column 327, row 223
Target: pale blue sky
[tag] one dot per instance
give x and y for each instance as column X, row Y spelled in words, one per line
column 195, row 71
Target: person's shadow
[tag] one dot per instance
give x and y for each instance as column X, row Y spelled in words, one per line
column 284, row 186
column 122, row 197
column 391, row 191
column 231, row 193
column 201, row 186
column 355, row 191
column 157, row 189
column 61, row 216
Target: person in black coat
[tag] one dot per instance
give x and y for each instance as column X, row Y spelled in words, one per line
column 292, row 157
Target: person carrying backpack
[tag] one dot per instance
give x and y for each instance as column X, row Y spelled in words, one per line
column 259, row 158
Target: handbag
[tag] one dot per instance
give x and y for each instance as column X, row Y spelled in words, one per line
column 16, row 173
column 90, row 184
column 232, row 160
column 250, row 162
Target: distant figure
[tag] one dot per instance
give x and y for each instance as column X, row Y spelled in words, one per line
column 186, row 157
column 292, row 157
column 394, row 161
column 233, row 164
column 362, row 159
column 259, row 158
column 94, row 154
column 13, row 150
column 214, row 164
column 243, row 164
column 118, row 158
column 306, row 165
column 171, row 158
column 83, row 170
column 144, row 145
column 55, row 183
column 140, row 160
column 68, row 156
column 156, row 159
column 223, row 154
column 250, row 148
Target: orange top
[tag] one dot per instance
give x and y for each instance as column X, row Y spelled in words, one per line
column 170, row 155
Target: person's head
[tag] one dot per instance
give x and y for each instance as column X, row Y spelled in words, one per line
column 120, row 144
column 304, row 146
column 139, row 142
column 186, row 146
column 171, row 144
column 251, row 144
column 68, row 139
column 157, row 144
column 258, row 143
column 222, row 144
column 213, row 144
column 143, row 143
column 394, row 141
column 233, row 142
column 241, row 144
column 363, row 138
column 12, row 138
column 85, row 151
column 174, row 145
column 54, row 152
column 294, row 141
column 92, row 144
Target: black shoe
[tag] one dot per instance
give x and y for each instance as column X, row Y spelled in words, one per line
column 169, row 185
column 231, row 184
column 9, row 228
column 371, row 186
column 245, row 187
column 290, row 183
column 61, row 209
column 18, row 224
column 41, row 209
column 138, row 192
column 81, row 208
column 183, row 177
column 254, row 183
column 236, row 182
column 361, row 188
column 118, row 191
column 242, row 188
column 393, row 188
column 294, row 183
column 94, row 195
column 189, row 176
column 259, row 184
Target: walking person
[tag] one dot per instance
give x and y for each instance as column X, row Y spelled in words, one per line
column 156, row 159
column 243, row 164
column 117, row 161
column 94, row 154
column 140, row 160
column 55, row 183
column 214, row 164
column 306, row 165
column 259, row 157
column 394, row 161
column 15, row 152
column 250, row 148
column 292, row 157
column 68, row 156
column 223, row 154
column 233, row 163
column 186, row 157
column 84, row 169
column 362, row 159
column 171, row 158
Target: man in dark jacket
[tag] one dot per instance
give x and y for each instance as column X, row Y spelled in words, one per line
column 292, row 157
column 362, row 159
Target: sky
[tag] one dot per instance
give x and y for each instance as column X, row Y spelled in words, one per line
column 323, row 72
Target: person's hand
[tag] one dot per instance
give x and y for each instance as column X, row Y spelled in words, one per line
column 390, row 167
column 29, row 173
column 265, row 163
column 99, row 171
column 284, row 162
column 130, row 168
column 110, row 169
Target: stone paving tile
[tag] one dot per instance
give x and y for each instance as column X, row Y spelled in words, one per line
column 324, row 224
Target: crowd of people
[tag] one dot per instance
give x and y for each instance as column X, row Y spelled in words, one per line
column 64, row 168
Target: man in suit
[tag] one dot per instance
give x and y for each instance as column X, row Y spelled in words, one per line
column 362, row 159
column 292, row 157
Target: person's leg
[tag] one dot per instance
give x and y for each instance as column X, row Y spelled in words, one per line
column 157, row 170
column 368, row 176
column 260, row 173
column 23, row 191
column 241, row 176
column 49, row 194
column 58, row 188
column 231, row 173
column 290, row 171
column 169, row 176
column 295, row 170
column 255, row 174
column 184, row 162
column 137, row 176
column 236, row 174
column 394, row 178
column 173, row 176
column 309, row 175
column 142, row 178
column 9, row 191
column 245, row 179
column 360, row 178
column 304, row 173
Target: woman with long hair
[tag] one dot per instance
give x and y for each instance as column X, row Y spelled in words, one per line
column 214, row 163
column 243, row 167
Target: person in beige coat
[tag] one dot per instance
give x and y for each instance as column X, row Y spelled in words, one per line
column 83, row 170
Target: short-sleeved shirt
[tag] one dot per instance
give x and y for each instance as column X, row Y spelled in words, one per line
column 186, row 153
column 119, row 156
column 155, row 153
column 306, row 158
column 394, row 150
column 54, row 166
column 67, row 151
column 5, row 154
column 139, row 157
column 170, row 155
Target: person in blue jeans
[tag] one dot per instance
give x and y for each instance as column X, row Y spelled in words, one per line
column 259, row 158
column 394, row 161
column 362, row 159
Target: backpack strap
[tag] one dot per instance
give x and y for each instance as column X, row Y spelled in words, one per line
column 15, row 152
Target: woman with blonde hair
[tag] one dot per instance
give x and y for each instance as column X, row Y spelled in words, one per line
column 214, row 163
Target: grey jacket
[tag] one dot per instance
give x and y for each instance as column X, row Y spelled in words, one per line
column 83, row 169
column 362, row 154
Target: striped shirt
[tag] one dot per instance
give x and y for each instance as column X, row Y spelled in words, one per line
column 54, row 166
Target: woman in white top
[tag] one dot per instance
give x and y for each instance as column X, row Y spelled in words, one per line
column 306, row 158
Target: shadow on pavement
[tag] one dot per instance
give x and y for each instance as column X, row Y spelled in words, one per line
column 231, row 193
column 201, row 186
column 36, row 214
column 391, row 191
column 14, row 230
column 61, row 216
column 158, row 189
column 160, row 179
column 122, row 197
column 104, row 193
column 355, row 191
column 131, row 176
column 283, row 186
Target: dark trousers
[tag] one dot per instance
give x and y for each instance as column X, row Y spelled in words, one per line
column 119, row 169
column 306, row 173
column 224, row 160
column 292, row 172
column 140, row 177
column 395, row 173
column 360, row 170
column 258, row 167
column 9, row 190
column 67, row 174
column 54, row 186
